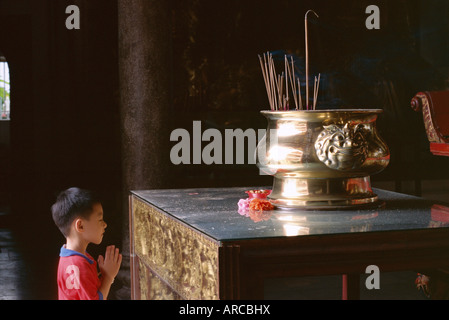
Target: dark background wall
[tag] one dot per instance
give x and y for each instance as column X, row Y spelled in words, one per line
column 94, row 107
column 64, row 128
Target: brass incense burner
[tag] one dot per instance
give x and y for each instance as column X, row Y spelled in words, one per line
column 322, row 158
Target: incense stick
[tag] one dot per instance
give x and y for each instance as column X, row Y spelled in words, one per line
column 307, row 56
column 315, row 90
column 297, row 90
column 292, row 83
column 265, row 81
column 286, row 81
column 277, row 85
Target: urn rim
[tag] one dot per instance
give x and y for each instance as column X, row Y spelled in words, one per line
column 322, row 111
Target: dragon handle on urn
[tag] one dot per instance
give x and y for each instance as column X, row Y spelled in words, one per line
column 342, row 147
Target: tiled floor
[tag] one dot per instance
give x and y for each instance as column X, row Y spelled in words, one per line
column 17, row 273
column 13, row 272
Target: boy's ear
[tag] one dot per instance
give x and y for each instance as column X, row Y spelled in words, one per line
column 79, row 226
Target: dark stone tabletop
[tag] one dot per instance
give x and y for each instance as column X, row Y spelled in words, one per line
column 215, row 212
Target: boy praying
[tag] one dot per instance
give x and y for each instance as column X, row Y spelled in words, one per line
column 78, row 214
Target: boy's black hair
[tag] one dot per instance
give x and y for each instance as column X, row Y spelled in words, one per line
column 71, row 204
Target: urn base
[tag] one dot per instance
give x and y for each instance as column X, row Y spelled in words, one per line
column 322, row 194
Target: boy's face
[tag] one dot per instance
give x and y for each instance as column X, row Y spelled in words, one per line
column 95, row 226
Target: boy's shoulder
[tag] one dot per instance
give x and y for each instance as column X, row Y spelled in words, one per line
column 78, row 277
column 67, row 254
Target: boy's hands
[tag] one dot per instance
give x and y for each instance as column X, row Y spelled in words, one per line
column 110, row 263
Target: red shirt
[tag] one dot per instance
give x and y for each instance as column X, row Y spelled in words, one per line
column 78, row 277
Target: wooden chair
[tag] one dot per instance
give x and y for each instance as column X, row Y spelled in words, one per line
column 434, row 106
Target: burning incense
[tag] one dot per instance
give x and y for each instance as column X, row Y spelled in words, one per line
column 286, row 81
column 265, row 79
column 277, row 85
column 307, row 56
column 316, row 88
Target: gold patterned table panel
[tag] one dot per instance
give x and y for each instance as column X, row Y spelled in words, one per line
column 176, row 256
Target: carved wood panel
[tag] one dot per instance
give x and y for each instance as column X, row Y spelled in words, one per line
column 182, row 258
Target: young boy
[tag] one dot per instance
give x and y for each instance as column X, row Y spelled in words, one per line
column 79, row 216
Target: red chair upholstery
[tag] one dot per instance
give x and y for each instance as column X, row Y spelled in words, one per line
column 435, row 109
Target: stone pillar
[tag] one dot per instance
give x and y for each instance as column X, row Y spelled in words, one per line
column 145, row 78
column 145, row 98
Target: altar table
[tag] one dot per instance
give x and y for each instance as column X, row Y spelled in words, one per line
column 195, row 244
